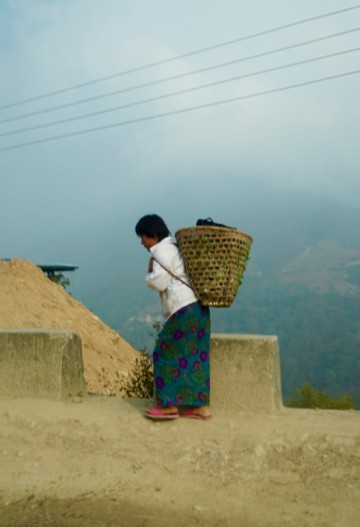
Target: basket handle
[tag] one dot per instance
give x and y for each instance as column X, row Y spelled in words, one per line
column 173, row 274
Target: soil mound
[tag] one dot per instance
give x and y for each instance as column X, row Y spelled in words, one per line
column 28, row 299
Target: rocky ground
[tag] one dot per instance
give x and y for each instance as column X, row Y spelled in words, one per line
column 99, row 463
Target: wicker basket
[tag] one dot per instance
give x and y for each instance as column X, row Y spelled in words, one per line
column 215, row 260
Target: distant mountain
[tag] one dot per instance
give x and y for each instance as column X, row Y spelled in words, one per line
column 302, row 281
column 325, row 266
column 314, row 313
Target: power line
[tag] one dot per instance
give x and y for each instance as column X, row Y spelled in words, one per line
column 181, row 92
column 179, row 76
column 182, row 56
column 182, row 110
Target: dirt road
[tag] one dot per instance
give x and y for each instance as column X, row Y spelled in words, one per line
column 99, row 463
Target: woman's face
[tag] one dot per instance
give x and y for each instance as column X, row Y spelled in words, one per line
column 148, row 242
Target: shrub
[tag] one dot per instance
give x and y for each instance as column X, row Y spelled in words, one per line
column 59, row 279
column 309, row 397
column 140, row 382
column 141, row 378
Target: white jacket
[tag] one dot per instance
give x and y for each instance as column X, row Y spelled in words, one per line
column 173, row 294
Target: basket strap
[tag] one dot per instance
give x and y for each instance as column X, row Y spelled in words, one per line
column 173, row 275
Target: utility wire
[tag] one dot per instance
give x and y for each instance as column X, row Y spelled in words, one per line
column 179, row 76
column 182, row 56
column 182, row 110
column 181, row 92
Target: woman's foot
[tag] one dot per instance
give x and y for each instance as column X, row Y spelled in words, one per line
column 197, row 412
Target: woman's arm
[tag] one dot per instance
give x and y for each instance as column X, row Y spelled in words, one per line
column 157, row 278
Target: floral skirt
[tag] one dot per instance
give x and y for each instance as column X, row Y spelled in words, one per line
column 181, row 358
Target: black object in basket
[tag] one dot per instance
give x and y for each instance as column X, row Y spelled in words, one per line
column 215, row 260
column 208, row 222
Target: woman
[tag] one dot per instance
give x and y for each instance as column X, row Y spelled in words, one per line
column 181, row 354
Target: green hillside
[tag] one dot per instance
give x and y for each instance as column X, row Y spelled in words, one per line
column 313, row 305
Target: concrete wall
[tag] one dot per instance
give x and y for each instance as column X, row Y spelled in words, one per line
column 245, row 369
column 245, row 373
column 41, row 363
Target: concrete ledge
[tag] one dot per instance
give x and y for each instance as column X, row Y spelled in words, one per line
column 245, row 373
column 43, row 363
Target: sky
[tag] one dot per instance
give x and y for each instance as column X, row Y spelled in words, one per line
column 188, row 154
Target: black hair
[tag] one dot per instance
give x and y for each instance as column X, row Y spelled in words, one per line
column 152, row 226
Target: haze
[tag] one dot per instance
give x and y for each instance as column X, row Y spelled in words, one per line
column 185, row 165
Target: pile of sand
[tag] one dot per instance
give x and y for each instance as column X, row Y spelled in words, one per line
column 28, row 299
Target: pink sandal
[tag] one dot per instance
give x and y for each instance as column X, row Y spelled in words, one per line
column 193, row 415
column 156, row 413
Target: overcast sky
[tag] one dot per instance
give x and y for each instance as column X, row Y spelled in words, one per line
column 305, row 138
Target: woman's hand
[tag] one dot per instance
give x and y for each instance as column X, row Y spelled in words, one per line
column 151, row 264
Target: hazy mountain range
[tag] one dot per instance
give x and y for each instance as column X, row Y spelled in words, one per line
column 302, row 281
